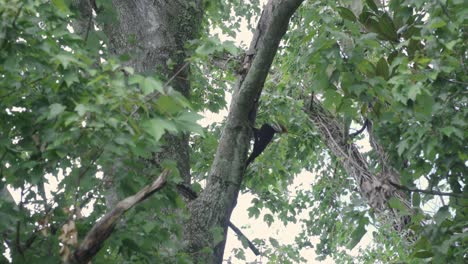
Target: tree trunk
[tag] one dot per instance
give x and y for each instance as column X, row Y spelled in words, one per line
column 211, row 212
column 152, row 33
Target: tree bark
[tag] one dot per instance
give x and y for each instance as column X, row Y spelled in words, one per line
column 211, row 212
column 152, row 33
column 376, row 188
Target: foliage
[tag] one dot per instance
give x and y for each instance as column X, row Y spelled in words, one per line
column 70, row 110
column 401, row 66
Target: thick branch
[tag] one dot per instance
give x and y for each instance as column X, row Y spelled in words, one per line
column 214, row 206
column 376, row 188
column 104, row 228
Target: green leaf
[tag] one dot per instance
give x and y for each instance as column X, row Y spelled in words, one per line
column 66, row 59
column 167, row 104
column 397, row 204
column 366, row 67
column 55, row 110
column 386, row 28
column 157, row 126
column 346, row 13
column 442, row 214
column 402, row 146
column 231, row 47
column 149, row 85
column 188, row 121
column 436, row 22
column 356, row 236
column 71, row 77
column 372, row 5
column 61, row 5
column 449, row 130
column 81, row 109
column 253, row 211
column 382, row 68
column 268, row 218
column 423, row 254
column 416, row 201
column 274, row 242
column 413, row 91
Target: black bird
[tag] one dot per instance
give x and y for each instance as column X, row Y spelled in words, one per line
column 262, row 137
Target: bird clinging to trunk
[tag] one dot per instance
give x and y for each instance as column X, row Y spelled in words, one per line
column 262, row 137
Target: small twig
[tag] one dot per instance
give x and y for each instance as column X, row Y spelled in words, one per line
column 431, row 192
column 436, row 187
column 17, row 239
column 455, row 81
column 241, row 236
column 82, row 173
column 88, row 28
column 13, row 24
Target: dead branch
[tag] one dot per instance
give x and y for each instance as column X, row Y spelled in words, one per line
column 93, row 241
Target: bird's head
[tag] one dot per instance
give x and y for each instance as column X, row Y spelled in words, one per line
column 279, row 128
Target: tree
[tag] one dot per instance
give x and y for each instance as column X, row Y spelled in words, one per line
column 103, row 98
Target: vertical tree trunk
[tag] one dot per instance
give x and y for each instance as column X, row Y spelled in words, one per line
column 152, row 33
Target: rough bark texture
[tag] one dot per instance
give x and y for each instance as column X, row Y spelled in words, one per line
column 374, row 187
column 152, row 32
column 214, row 206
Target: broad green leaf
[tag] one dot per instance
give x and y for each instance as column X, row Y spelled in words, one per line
column 397, row 204
column 55, row 110
column 188, row 121
column 382, row 68
column 274, row 242
column 437, row 22
column 81, row 109
column 387, row 28
column 346, row 14
column 441, row 215
column 253, row 212
column 372, row 5
column 268, row 218
column 150, row 85
column 156, row 127
column 61, row 5
column 356, row 236
column 449, row 130
column 413, row 91
column 71, row 77
column 66, row 59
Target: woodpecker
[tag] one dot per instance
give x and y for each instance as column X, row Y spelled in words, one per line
column 262, row 137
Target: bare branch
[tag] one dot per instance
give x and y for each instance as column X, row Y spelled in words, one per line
column 93, row 241
column 431, row 192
